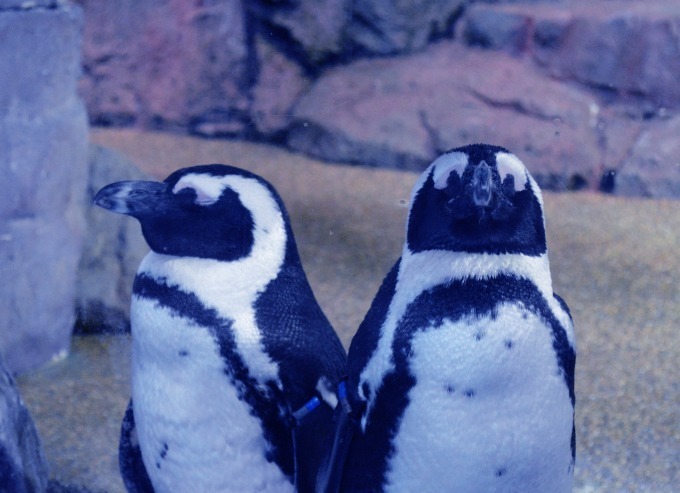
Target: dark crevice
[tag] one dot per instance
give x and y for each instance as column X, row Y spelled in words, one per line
column 515, row 106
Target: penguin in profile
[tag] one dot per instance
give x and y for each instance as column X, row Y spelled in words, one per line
column 234, row 365
column 461, row 376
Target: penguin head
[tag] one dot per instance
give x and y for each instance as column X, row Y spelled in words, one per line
column 208, row 211
column 477, row 199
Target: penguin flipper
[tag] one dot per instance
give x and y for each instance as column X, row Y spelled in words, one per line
column 309, row 441
column 130, row 462
column 332, row 467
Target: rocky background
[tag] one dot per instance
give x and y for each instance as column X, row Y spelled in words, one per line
column 585, row 92
column 43, row 171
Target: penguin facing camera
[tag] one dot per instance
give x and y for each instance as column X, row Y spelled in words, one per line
column 234, row 365
column 461, row 375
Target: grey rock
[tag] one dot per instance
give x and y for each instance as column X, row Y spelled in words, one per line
column 279, row 85
column 49, row 71
column 627, row 50
column 631, row 55
column 23, row 468
column 387, row 27
column 498, row 29
column 402, row 112
column 315, row 26
column 344, row 29
column 653, row 167
column 113, row 249
column 43, row 146
column 167, row 65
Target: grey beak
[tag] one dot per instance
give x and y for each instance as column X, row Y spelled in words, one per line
column 481, row 185
column 134, row 198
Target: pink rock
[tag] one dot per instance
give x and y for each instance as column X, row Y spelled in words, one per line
column 166, row 64
column 402, row 112
column 280, row 83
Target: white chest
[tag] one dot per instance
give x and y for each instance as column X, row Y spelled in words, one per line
column 490, row 410
column 195, row 433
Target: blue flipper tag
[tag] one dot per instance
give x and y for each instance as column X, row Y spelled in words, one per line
column 309, row 406
column 342, row 395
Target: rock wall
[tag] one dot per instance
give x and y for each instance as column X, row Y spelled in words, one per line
column 43, row 146
column 23, row 467
column 577, row 88
column 113, row 249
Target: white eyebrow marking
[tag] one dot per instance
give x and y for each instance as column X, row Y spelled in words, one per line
column 509, row 164
column 208, row 188
column 447, row 163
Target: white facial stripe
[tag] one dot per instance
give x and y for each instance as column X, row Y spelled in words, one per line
column 118, row 204
column 447, row 163
column 208, row 188
column 508, row 164
column 228, row 287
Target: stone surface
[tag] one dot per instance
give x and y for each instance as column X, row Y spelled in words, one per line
column 167, row 64
column 629, row 48
column 43, row 147
column 234, row 68
column 387, row 27
column 653, row 167
column 280, row 82
column 626, row 49
column 447, row 98
column 497, row 29
column 344, row 29
column 113, row 248
column 23, row 468
column 312, row 29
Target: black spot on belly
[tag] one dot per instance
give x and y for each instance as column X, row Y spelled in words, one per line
column 164, row 451
column 183, row 352
column 469, row 393
column 508, row 344
column 450, row 389
column 158, row 465
column 479, row 336
column 501, row 471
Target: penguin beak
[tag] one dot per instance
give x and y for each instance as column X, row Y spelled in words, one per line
column 134, row 198
column 481, row 185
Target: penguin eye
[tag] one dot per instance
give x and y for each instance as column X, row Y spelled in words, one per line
column 205, row 189
column 445, row 166
column 511, row 171
column 198, row 197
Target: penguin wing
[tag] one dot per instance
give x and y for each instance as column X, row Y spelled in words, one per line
column 320, row 371
column 332, row 467
column 311, row 358
column 130, row 462
column 351, row 406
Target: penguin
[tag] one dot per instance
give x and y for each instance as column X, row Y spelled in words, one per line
column 234, row 364
column 461, row 375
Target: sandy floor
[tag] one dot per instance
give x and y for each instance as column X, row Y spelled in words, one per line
column 615, row 261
